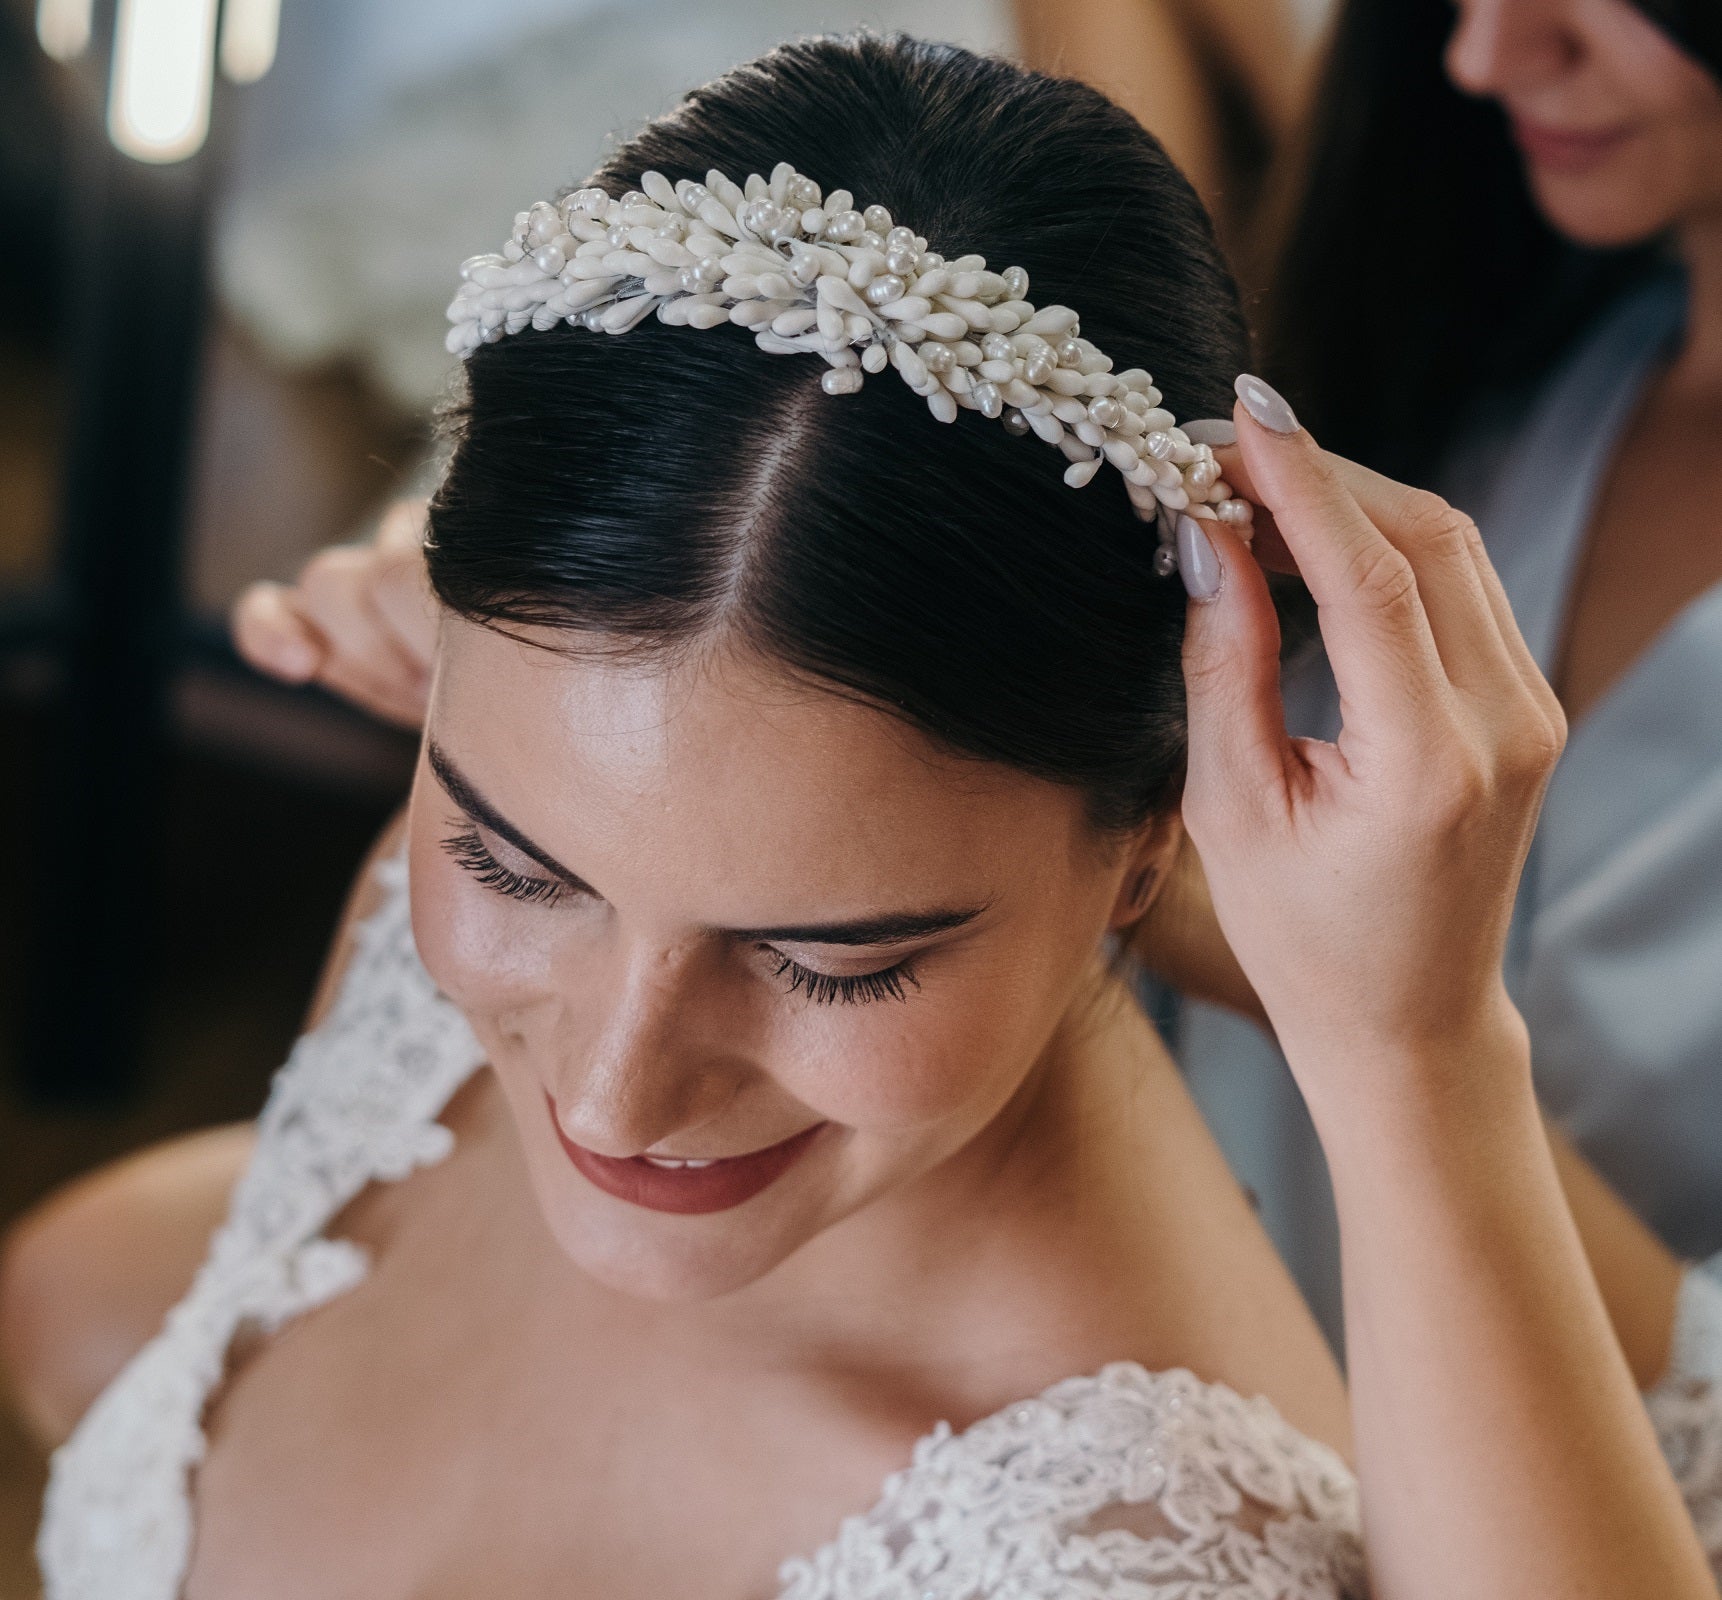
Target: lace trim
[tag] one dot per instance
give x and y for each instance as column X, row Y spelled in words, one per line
column 357, row 1101
column 1686, row 1407
column 998, row 1510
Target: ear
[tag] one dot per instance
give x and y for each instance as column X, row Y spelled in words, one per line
column 1143, row 867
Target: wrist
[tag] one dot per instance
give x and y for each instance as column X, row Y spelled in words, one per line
column 1415, row 1090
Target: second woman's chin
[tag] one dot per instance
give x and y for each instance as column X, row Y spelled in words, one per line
column 1621, row 202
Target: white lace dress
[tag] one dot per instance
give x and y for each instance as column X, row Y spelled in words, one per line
column 1127, row 1485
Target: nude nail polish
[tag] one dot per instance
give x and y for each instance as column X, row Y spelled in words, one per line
column 1266, row 404
column 1198, row 561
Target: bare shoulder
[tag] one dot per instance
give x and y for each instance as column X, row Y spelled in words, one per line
column 88, row 1275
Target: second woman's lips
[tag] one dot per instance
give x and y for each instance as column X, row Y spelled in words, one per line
column 1567, row 150
column 689, row 1191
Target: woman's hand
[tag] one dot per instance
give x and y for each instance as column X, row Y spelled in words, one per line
column 360, row 621
column 1366, row 885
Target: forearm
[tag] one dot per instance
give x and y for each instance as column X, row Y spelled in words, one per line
column 1502, row 1445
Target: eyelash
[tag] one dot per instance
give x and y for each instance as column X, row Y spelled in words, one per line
column 468, row 851
column 823, row 989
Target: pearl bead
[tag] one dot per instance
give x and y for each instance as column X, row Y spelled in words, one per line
column 1038, row 368
column 845, row 227
column 1105, row 412
column 1015, row 422
column 1159, row 445
column 692, row 195
column 900, row 239
column 1165, row 561
column 986, row 396
column 616, row 235
column 1069, row 353
column 938, row 357
column 549, row 260
column 759, row 217
column 995, row 347
column 841, row 380
column 633, row 198
column 813, row 221
column 804, row 269
column 931, row 260
column 1016, row 283
column 803, row 192
column 877, row 218
column 900, row 260
column 882, row 291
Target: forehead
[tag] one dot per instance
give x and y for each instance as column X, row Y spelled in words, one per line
column 728, row 770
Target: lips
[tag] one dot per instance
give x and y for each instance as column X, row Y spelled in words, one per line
column 1569, row 151
column 693, row 1188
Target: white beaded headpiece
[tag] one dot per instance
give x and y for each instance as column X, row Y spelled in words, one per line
column 813, row 275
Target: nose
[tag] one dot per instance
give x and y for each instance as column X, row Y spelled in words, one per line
column 659, row 1058
column 1501, row 45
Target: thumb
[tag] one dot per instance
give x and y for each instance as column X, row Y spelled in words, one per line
column 1237, row 732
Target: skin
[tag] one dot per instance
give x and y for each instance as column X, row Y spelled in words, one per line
column 1366, row 886
column 1164, row 62
column 1010, row 1184
column 1621, row 136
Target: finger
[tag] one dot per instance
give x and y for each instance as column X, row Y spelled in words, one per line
column 366, row 662
column 1470, row 617
column 402, row 526
column 1237, row 733
column 1373, row 625
column 401, row 594
column 274, row 637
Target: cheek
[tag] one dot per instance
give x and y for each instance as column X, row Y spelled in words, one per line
column 953, row 1052
column 477, row 946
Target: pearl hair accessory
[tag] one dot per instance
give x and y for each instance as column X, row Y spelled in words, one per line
column 811, row 274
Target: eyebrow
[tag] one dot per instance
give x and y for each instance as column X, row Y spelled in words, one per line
column 464, row 795
column 888, row 928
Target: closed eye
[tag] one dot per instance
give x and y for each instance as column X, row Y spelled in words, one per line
column 468, row 851
column 824, row 989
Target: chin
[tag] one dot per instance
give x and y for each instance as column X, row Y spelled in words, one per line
column 1603, row 214
column 673, row 1260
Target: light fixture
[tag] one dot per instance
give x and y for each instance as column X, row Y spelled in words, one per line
column 248, row 32
column 63, row 27
column 164, row 54
column 158, row 97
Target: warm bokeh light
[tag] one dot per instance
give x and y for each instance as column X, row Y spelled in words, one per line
column 248, row 33
column 158, row 104
column 63, row 27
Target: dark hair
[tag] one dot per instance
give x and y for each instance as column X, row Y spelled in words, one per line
column 653, row 487
column 1417, row 274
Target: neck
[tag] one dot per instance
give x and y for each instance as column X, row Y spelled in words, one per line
column 1698, row 367
column 1048, row 1212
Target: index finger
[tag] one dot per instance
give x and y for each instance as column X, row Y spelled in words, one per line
column 1372, row 619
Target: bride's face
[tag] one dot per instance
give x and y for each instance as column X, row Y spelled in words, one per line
column 706, row 914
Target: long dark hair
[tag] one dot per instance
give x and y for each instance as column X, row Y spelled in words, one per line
column 668, row 486
column 1418, row 274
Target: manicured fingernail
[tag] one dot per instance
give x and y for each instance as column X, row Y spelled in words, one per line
column 1214, row 431
column 1198, row 561
column 1266, row 404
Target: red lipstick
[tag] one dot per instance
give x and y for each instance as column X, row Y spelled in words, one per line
column 691, row 1190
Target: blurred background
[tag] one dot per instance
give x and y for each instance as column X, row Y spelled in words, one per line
column 230, row 230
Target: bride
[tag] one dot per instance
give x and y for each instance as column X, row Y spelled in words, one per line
column 738, row 1167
